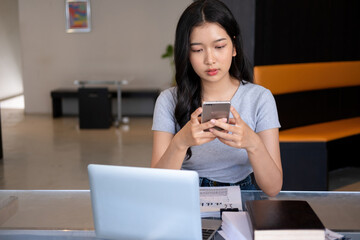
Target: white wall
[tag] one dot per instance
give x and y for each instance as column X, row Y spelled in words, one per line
column 10, row 54
column 126, row 41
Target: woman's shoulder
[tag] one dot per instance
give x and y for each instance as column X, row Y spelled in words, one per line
column 168, row 93
column 254, row 89
column 167, row 96
column 253, row 86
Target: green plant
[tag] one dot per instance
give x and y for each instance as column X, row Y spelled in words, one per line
column 169, row 53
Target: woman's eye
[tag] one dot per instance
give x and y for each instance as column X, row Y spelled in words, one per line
column 196, row 50
column 219, row 47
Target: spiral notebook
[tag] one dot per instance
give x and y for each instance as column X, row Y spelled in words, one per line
column 147, row 203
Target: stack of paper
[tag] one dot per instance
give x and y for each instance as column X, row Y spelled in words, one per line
column 235, row 226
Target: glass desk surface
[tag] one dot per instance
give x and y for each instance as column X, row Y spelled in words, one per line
column 38, row 214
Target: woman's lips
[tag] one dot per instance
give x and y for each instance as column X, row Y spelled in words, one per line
column 212, row 72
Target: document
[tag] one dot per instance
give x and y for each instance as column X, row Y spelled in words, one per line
column 236, row 226
column 212, row 199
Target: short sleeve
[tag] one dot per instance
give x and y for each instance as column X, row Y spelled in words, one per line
column 163, row 117
column 267, row 116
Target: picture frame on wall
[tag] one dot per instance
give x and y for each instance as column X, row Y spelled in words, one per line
column 78, row 16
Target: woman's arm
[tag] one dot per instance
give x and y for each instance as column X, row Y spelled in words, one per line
column 262, row 148
column 266, row 162
column 166, row 152
column 170, row 150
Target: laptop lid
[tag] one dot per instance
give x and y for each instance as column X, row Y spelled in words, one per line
column 144, row 203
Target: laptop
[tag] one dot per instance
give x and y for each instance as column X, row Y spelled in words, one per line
column 147, row 203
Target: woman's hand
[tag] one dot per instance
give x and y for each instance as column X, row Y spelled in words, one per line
column 169, row 150
column 237, row 133
column 193, row 134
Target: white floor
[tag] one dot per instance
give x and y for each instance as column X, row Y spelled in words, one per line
column 13, row 103
column 45, row 153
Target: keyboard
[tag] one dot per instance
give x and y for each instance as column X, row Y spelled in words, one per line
column 208, row 234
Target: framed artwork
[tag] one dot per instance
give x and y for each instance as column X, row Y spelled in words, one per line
column 77, row 16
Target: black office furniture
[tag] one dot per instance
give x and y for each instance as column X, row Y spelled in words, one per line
column 94, row 108
column 135, row 97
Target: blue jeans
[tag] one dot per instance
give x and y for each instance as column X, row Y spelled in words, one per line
column 245, row 184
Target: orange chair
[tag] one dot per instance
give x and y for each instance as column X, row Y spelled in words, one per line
column 319, row 111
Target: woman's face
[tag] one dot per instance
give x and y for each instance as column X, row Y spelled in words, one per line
column 211, row 52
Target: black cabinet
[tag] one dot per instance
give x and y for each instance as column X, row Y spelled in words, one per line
column 94, row 108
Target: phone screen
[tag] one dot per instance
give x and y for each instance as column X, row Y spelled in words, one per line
column 215, row 110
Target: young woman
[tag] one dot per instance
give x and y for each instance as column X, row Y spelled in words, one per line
column 211, row 66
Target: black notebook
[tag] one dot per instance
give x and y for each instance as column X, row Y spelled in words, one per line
column 284, row 219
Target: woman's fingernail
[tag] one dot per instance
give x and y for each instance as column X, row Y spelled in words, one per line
column 212, row 121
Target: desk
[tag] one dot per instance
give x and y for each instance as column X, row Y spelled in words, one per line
column 66, row 214
column 150, row 95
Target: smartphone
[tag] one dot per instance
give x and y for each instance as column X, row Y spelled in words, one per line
column 215, row 110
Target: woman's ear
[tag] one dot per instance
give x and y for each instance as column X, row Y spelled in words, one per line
column 234, row 49
column 234, row 52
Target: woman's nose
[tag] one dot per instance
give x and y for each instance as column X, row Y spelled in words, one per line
column 209, row 58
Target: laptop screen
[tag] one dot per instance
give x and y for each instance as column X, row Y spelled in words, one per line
column 144, row 203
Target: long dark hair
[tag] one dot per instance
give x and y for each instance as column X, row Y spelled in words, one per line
column 189, row 90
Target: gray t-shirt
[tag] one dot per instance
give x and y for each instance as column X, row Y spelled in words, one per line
column 215, row 160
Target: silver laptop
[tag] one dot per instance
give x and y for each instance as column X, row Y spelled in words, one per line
column 146, row 203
